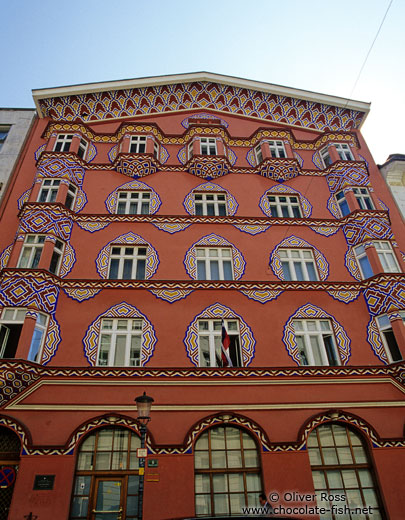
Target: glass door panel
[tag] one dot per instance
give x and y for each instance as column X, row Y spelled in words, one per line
column 108, row 499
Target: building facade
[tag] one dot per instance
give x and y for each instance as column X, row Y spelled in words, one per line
column 15, row 124
column 153, row 222
column 393, row 171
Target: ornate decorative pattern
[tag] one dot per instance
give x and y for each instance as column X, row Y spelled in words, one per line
column 182, row 155
column 38, row 221
column 333, row 207
column 81, row 200
column 260, row 295
column 295, row 242
column 251, row 158
column 136, row 165
column 212, row 240
column 346, row 173
column 344, row 296
column 299, row 158
column 363, row 228
column 264, row 203
column 91, row 152
column 374, row 338
column 231, row 204
column 317, row 161
column 231, row 155
column 385, row 297
column 201, row 95
column 326, row 231
column 251, row 229
column 351, row 264
column 12, row 382
column 63, row 168
column 29, row 292
column 38, row 151
column 68, row 260
column 208, row 167
column 24, row 198
column 383, row 205
column 219, row 311
column 171, row 295
column 122, row 310
column 5, row 255
column 80, row 294
column 171, row 227
column 152, row 259
column 92, row 226
column 279, row 169
column 112, row 154
column 201, row 115
column 312, row 312
column 52, row 341
column 163, row 154
column 154, row 204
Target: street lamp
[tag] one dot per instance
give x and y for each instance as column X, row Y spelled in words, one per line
column 143, row 406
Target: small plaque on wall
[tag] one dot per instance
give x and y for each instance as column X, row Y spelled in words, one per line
column 44, row 482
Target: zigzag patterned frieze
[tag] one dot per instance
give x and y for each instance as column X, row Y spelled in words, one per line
column 206, row 95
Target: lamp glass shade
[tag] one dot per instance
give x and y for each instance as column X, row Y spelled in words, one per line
column 143, row 405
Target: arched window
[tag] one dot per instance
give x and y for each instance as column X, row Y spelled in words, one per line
column 107, row 475
column 227, row 471
column 10, row 447
column 341, row 467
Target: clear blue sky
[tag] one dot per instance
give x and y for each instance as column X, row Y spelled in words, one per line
column 316, row 45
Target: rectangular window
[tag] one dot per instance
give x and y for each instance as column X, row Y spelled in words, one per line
column 259, row 153
column 190, row 150
column 210, row 204
column 63, row 142
column 342, row 203
column 210, row 338
column 388, row 337
column 363, row 198
column 285, row 206
column 156, row 150
column 344, row 152
column 387, row 257
column 208, row 145
column 38, row 337
column 133, row 203
column 56, row 258
column 316, row 343
column 277, row 149
column 298, row 264
column 137, row 144
column 363, row 262
column 49, row 190
column 31, row 251
column 327, row 161
column 70, row 196
column 4, row 131
column 81, row 152
column 120, row 342
column 214, row 263
column 11, row 324
column 127, row 263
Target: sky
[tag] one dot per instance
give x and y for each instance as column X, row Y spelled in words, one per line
column 316, row 45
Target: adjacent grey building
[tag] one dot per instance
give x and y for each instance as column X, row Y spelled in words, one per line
column 393, row 171
column 15, row 124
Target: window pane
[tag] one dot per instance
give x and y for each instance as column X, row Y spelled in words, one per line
column 202, row 483
column 218, row 459
column 119, row 360
column 219, row 483
column 214, row 266
column 140, row 269
column 228, row 271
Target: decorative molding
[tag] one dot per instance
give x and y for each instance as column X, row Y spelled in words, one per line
column 252, row 229
column 261, row 296
column 171, row 227
column 121, row 310
column 32, row 292
column 219, row 311
column 231, row 204
column 344, row 296
column 38, row 221
column 152, row 259
column 62, row 166
column 312, row 312
column 92, row 227
column 80, row 294
column 171, row 295
column 5, row 255
column 154, row 202
column 212, row 240
column 362, row 228
column 385, row 297
column 264, row 203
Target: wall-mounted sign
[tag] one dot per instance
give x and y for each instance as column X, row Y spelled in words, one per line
column 44, row 482
column 153, row 463
column 141, row 453
column 7, row 477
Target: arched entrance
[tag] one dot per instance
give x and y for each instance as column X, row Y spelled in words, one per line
column 10, row 447
column 107, row 476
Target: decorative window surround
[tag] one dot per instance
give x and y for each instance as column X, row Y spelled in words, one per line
column 154, row 200
column 209, row 341
column 298, row 264
column 315, row 342
column 210, row 187
column 388, row 336
column 279, row 191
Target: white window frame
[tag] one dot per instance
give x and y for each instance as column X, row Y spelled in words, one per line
column 133, row 203
column 288, row 205
column 313, row 333
column 82, row 149
column 63, row 143
column 32, row 245
column 57, row 255
column 384, row 326
column 363, row 198
column 303, row 257
column 277, row 149
column 136, row 142
column 210, row 203
column 387, row 256
column 49, row 190
column 259, row 153
column 208, row 146
column 325, row 156
column 155, row 150
column 120, row 332
column 14, row 315
column 190, row 151
column 71, row 195
column 213, row 335
column 129, row 257
column 360, row 254
column 344, row 151
column 207, row 256
column 341, row 202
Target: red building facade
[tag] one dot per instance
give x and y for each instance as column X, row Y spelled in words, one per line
column 143, row 218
